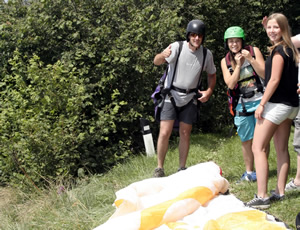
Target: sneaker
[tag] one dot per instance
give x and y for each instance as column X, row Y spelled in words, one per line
column 276, row 197
column 291, row 186
column 258, row 202
column 182, row 168
column 251, row 177
column 159, row 172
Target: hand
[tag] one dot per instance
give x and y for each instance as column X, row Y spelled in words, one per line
column 205, row 96
column 238, row 58
column 259, row 112
column 264, row 22
column 246, row 54
column 167, row 52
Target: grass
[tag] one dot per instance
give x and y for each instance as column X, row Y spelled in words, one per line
column 89, row 203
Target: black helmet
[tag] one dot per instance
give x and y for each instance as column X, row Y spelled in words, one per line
column 195, row 26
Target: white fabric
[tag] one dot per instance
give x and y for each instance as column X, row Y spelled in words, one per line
column 189, row 199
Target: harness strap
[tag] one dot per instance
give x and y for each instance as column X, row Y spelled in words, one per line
column 169, row 91
column 250, row 94
column 179, row 109
column 244, row 114
column 174, row 103
column 186, row 91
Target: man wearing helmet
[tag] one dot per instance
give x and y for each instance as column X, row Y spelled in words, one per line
column 240, row 71
column 181, row 103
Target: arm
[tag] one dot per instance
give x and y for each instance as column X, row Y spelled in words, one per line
column 258, row 63
column 230, row 80
column 264, row 22
column 211, row 80
column 277, row 68
column 296, row 41
column 161, row 57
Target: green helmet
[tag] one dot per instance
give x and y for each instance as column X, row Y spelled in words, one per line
column 234, row 32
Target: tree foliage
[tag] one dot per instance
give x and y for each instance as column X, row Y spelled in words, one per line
column 76, row 76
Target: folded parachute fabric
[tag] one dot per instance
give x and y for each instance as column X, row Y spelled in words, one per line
column 188, row 199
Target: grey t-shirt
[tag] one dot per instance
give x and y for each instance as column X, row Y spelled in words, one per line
column 187, row 72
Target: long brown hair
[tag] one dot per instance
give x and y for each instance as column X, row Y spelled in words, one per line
column 286, row 35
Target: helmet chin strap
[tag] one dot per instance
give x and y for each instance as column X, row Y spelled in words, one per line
column 233, row 54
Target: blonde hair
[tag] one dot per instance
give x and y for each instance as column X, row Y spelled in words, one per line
column 286, row 35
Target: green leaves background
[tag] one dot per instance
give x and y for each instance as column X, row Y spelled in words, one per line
column 76, row 76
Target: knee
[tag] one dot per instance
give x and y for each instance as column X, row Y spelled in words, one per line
column 185, row 133
column 165, row 134
column 255, row 148
column 258, row 149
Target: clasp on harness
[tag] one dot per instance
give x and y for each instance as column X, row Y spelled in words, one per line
column 188, row 91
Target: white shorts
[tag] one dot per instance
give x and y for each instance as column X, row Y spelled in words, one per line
column 277, row 112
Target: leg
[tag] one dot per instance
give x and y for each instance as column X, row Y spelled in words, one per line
column 184, row 142
column 296, row 144
column 297, row 178
column 165, row 131
column 281, row 138
column 294, row 184
column 248, row 155
column 245, row 128
column 263, row 133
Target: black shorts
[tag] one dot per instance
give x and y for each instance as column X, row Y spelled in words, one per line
column 186, row 114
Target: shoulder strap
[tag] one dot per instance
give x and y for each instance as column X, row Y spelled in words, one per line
column 228, row 63
column 163, row 78
column 250, row 49
column 260, row 87
column 171, row 97
column 175, row 67
column 227, row 59
column 203, row 62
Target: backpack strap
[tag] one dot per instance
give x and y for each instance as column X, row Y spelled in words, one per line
column 228, row 63
column 180, row 48
column 169, row 90
column 260, row 87
column 203, row 62
column 199, row 82
column 166, row 91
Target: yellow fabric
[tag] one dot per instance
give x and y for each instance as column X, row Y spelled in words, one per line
column 119, row 202
column 154, row 216
column 180, row 226
column 246, row 220
column 189, row 199
column 176, row 226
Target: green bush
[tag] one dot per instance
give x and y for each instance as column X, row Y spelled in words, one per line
column 75, row 81
column 76, row 76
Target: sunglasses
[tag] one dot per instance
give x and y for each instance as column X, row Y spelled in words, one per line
column 195, row 35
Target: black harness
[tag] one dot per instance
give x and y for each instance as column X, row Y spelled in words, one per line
column 259, row 86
